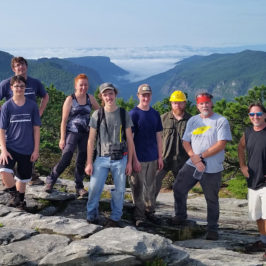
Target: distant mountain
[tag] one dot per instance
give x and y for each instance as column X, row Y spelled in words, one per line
column 61, row 72
column 5, row 67
column 108, row 71
column 223, row 75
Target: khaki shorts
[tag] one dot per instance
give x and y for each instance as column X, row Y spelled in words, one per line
column 257, row 204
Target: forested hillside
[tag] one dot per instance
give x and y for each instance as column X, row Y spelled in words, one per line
column 224, row 75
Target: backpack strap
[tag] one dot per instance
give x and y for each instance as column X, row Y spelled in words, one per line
column 99, row 120
column 88, row 100
column 123, row 121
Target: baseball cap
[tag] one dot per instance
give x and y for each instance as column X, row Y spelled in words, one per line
column 144, row 88
column 107, row 86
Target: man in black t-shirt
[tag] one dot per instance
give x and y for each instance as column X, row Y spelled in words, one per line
column 254, row 143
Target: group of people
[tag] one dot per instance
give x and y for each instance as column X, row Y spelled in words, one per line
column 139, row 144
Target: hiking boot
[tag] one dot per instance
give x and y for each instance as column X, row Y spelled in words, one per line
column 36, row 182
column 22, row 205
column 258, row 246
column 14, row 201
column 152, row 218
column 82, row 193
column 48, row 188
column 140, row 223
column 96, row 221
column 212, row 235
column 111, row 223
column 264, row 256
column 177, row 221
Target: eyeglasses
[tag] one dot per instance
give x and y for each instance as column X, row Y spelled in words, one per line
column 257, row 114
column 19, row 86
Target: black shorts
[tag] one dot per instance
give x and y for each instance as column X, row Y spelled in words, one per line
column 24, row 166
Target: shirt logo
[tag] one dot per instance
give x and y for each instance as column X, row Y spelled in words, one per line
column 200, row 130
column 20, row 118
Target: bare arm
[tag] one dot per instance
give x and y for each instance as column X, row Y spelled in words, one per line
column 36, row 135
column 90, row 150
column 94, row 103
column 130, row 147
column 242, row 156
column 136, row 164
column 65, row 113
column 4, row 153
column 195, row 158
column 43, row 103
column 160, row 150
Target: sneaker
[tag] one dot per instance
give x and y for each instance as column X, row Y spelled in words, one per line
column 212, row 235
column 82, row 193
column 36, row 182
column 111, row 223
column 48, row 188
column 258, row 246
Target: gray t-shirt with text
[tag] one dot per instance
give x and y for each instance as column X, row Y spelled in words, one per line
column 203, row 133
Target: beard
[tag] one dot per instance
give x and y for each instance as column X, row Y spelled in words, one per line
column 179, row 111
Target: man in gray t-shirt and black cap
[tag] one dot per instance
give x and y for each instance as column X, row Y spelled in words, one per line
column 204, row 140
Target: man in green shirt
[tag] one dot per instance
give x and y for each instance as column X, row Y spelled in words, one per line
column 174, row 125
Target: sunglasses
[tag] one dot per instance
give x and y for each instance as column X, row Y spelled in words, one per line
column 257, row 114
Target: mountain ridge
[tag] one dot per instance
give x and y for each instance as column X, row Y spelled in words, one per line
column 224, row 75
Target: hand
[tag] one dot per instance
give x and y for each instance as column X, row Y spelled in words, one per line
column 4, row 157
column 62, row 144
column 136, row 166
column 244, row 170
column 89, row 169
column 200, row 166
column 34, row 156
column 128, row 169
column 160, row 163
column 195, row 159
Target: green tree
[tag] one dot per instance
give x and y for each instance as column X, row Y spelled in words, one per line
column 50, row 131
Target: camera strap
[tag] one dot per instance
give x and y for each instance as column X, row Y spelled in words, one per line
column 101, row 117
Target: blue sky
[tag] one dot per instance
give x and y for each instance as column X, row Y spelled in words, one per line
column 145, row 37
column 131, row 23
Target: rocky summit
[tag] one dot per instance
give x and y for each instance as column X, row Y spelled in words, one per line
column 53, row 231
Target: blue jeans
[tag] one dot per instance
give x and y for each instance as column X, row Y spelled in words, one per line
column 101, row 168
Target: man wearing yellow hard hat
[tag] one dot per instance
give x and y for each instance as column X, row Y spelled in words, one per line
column 174, row 124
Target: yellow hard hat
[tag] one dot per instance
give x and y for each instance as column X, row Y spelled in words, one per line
column 178, row 96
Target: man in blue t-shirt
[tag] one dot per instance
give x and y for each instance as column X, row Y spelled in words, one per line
column 148, row 155
column 34, row 89
column 19, row 140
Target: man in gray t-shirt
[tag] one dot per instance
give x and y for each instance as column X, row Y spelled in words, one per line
column 114, row 153
column 204, row 140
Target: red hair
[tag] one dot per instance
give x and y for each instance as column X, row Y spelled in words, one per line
column 81, row 76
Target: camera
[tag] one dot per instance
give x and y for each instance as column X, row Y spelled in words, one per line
column 116, row 151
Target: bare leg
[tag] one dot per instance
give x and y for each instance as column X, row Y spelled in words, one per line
column 8, row 179
column 262, row 226
column 21, row 187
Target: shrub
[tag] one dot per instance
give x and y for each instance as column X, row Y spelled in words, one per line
column 238, row 186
